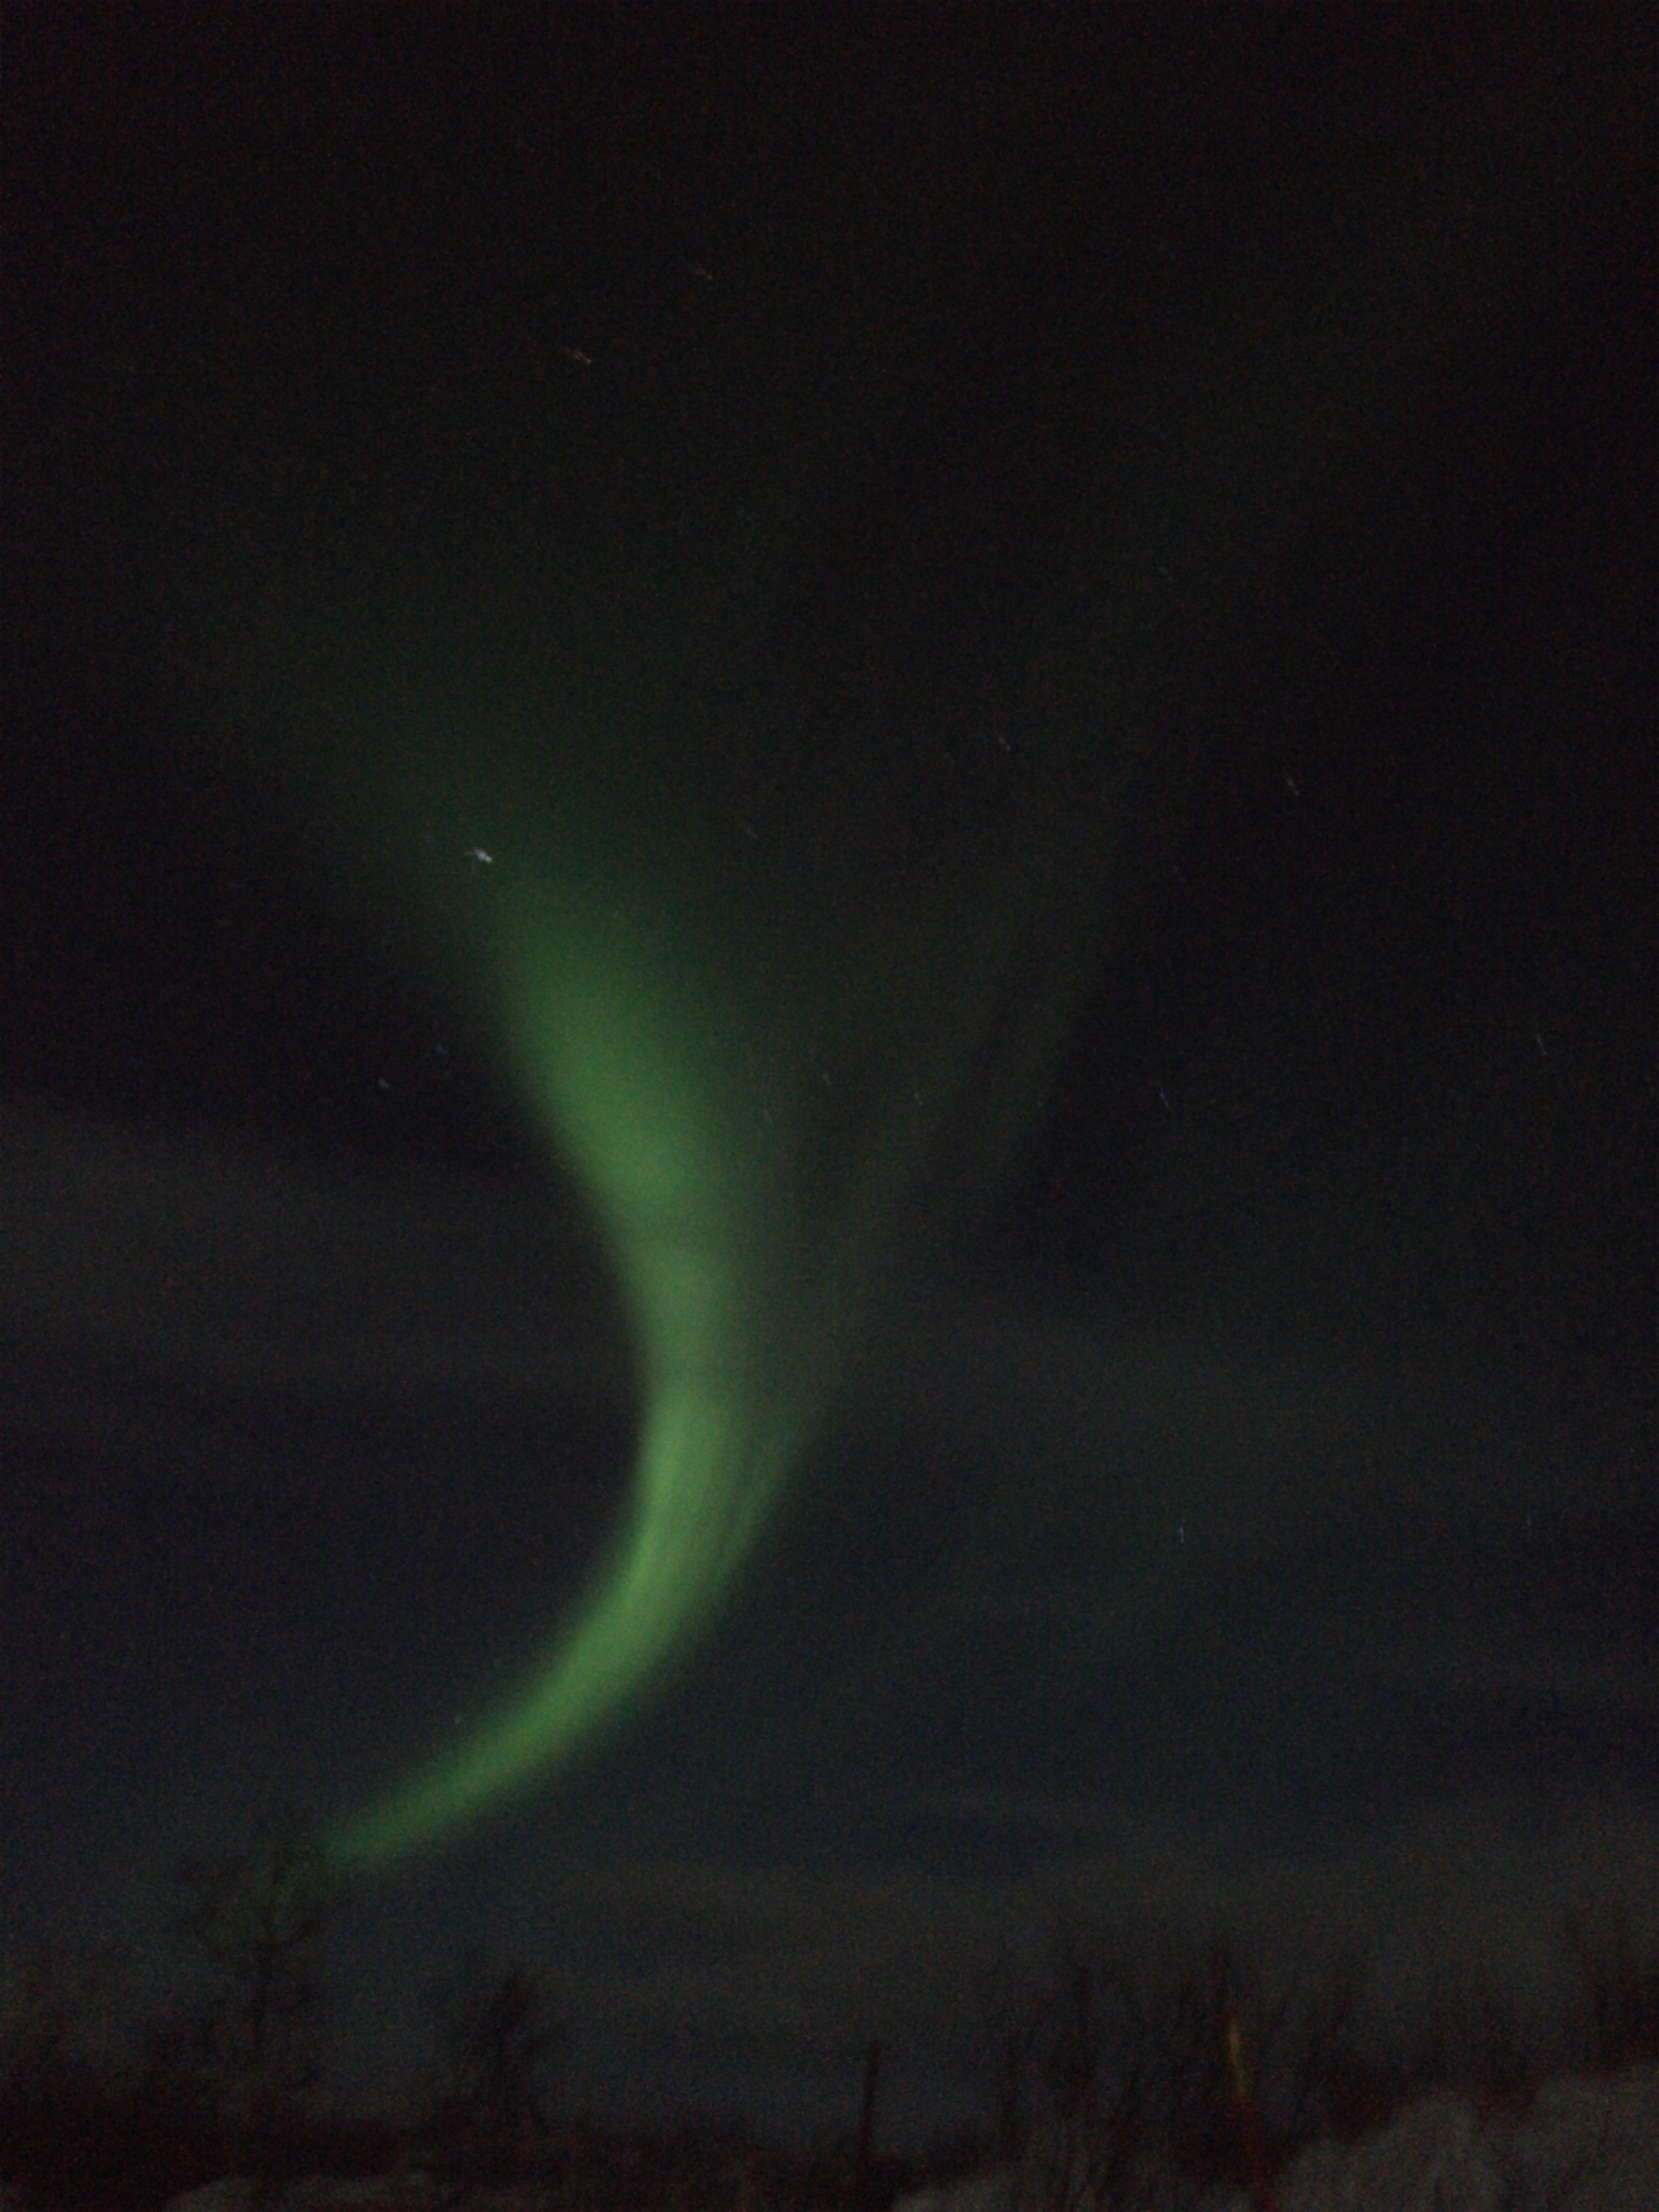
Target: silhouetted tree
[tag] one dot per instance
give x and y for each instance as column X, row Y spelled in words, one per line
column 1618, row 1994
column 487, row 2098
column 61, row 2074
column 1123, row 2072
column 249, row 2039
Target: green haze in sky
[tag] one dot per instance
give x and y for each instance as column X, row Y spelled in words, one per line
column 782, row 989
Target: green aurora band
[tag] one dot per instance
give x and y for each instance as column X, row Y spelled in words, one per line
column 749, row 1229
column 778, row 1090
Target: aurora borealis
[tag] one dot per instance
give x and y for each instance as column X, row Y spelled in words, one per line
column 828, row 1084
column 751, row 1280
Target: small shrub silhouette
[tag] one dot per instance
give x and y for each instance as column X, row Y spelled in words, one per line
column 484, row 2108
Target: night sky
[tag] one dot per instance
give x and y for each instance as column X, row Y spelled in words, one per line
column 1068, row 624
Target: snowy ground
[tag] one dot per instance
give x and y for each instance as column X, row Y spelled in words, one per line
column 1582, row 2146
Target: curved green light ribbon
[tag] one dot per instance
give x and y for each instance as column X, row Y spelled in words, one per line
column 747, row 1273
column 685, row 1102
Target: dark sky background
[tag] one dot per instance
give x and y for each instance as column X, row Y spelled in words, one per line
column 1249, row 1513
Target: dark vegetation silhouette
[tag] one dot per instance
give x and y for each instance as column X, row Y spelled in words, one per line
column 483, row 2108
column 244, row 2041
column 108, row 2102
column 1129, row 2077
column 1122, row 2074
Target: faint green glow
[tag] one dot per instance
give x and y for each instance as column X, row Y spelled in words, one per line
column 676, row 1076
column 690, row 1113
column 623, row 1071
column 705, row 1478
